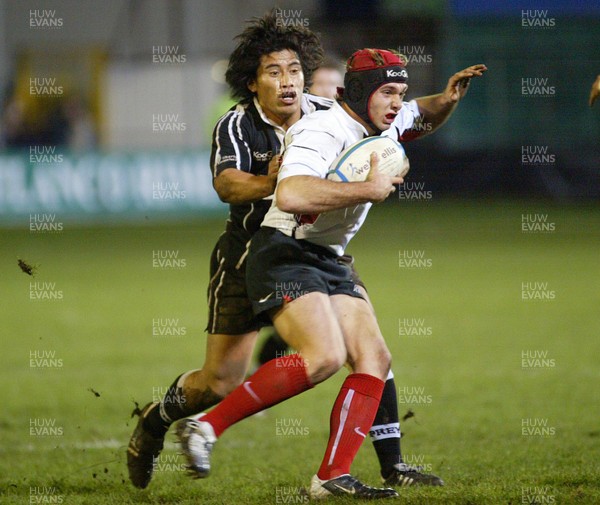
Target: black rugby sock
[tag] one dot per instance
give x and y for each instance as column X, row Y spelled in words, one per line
column 176, row 405
column 385, row 432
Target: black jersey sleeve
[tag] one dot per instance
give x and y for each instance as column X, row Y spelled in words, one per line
column 230, row 147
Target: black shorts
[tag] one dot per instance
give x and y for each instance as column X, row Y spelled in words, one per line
column 348, row 260
column 229, row 309
column 281, row 269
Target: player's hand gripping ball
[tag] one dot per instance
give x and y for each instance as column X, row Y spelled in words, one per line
column 353, row 164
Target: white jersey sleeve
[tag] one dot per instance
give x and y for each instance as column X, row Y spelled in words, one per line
column 308, row 152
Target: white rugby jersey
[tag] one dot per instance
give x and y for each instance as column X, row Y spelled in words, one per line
column 246, row 139
column 311, row 146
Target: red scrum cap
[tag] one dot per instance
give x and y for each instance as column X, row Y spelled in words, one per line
column 367, row 70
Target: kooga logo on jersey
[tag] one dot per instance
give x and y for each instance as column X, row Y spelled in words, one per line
column 262, row 156
column 393, row 73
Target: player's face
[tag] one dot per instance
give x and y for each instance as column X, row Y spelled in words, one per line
column 326, row 82
column 385, row 103
column 278, row 86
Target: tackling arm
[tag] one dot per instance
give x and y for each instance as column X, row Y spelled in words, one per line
column 237, row 187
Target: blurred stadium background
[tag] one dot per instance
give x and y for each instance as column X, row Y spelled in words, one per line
column 106, row 114
column 105, row 102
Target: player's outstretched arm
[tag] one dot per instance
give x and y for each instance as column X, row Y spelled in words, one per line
column 436, row 109
column 595, row 91
column 306, row 194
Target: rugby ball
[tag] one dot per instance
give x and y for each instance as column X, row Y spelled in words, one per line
column 353, row 164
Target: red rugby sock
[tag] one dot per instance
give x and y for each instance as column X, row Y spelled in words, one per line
column 351, row 417
column 274, row 382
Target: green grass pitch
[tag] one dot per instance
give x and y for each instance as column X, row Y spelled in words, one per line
column 505, row 391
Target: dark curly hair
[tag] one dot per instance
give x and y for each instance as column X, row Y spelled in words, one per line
column 264, row 36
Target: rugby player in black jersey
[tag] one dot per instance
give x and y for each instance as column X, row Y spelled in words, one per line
column 267, row 73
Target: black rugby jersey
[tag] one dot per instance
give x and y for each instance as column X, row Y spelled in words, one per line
column 243, row 139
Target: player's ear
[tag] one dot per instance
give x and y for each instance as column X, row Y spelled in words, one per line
column 252, row 86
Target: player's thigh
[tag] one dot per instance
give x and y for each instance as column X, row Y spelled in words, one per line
column 309, row 325
column 367, row 351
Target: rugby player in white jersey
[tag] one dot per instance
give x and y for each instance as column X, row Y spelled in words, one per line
column 326, row 318
column 267, row 73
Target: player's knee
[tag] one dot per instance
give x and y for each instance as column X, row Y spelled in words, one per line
column 376, row 361
column 323, row 366
column 385, row 360
column 381, row 361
